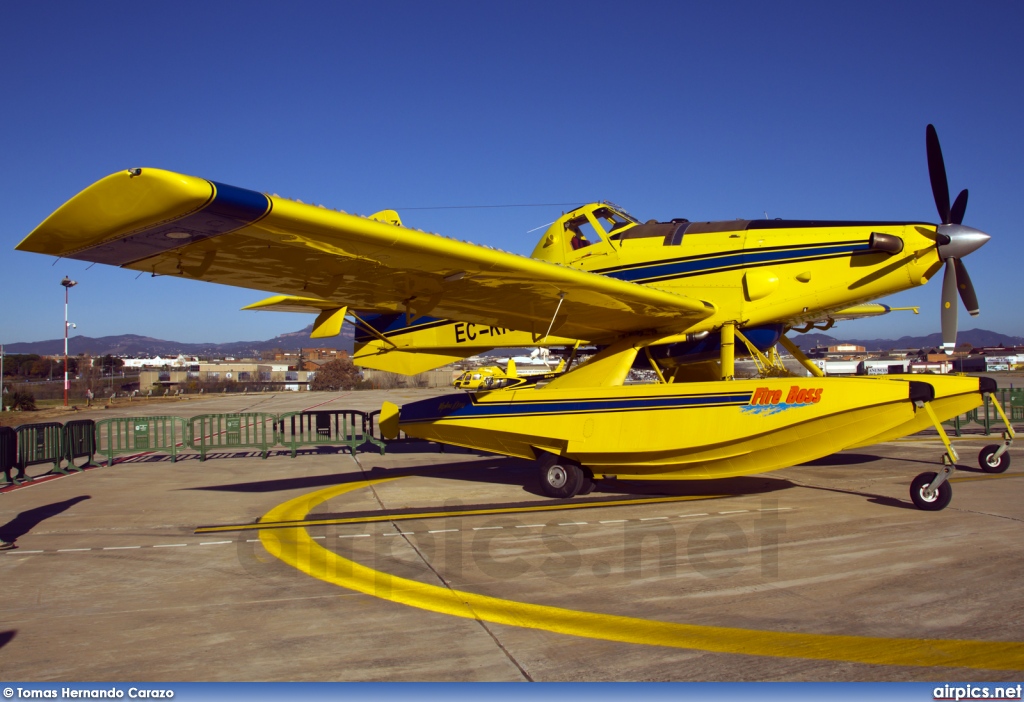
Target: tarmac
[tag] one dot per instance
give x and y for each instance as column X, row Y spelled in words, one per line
column 428, row 565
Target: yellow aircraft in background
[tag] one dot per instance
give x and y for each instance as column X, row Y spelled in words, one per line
column 667, row 289
column 493, row 377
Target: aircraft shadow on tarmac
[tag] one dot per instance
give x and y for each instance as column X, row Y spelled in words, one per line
column 499, row 470
column 395, row 447
column 883, row 500
column 843, row 459
column 849, row 459
column 26, row 521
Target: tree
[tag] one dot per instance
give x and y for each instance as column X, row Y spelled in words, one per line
column 24, row 401
column 110, row 364
column 335, row 375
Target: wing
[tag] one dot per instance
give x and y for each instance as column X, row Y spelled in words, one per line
column 172, row 224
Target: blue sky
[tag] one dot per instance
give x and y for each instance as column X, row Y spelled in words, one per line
column 670, row 109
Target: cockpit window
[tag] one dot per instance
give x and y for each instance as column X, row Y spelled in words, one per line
column 582, row 233
column 610, row 219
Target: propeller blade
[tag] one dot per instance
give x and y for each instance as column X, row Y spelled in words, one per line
column 956, row 215
column 966, row 288
column 937, row 173
column 949, row 306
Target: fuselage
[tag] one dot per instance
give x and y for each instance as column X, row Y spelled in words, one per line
column 783, row 273
column 754, row 271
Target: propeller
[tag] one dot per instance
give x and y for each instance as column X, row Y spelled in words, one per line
column 953, row 241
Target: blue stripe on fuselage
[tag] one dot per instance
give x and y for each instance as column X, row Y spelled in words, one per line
column 681, row 268
column 464, row 406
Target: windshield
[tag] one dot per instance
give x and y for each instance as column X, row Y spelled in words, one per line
column 611, row 219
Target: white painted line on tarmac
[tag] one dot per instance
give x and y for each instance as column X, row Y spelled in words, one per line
column 408, row 533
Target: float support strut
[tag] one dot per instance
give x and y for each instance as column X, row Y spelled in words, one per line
column 728, row 357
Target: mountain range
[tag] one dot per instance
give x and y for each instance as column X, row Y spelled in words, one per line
column 974, row 337
column 133, row 345
column 147, row 347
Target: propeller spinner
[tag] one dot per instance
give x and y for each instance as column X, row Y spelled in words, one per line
column 953, row 241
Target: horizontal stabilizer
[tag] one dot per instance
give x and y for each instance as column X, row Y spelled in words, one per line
column 291, row 303
column 405, row 362
column 329, row 319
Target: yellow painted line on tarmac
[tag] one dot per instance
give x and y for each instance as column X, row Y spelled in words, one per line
column 296, row 547
column 955, row 439
column 451, row 513
column 1000, row 476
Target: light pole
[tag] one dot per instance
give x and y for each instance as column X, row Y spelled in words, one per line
column 68, row 284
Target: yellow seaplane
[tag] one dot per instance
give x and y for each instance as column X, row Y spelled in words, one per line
column 679, row 297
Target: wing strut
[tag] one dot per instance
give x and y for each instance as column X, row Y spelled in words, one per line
column 657, row 370
column 561, row 299
column 799, row 355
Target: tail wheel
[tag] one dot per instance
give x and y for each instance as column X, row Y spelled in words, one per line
column 931, row 501
column 560, row 477
column 991, row 464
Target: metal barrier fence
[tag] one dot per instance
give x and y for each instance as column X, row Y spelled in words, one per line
column 321, row 428
column 215, row 432
column 1012, row 401
column 40, row 443
column 52, row 442
column 120, row 435
column 371, row 432
column 85, row 438
column 79, row 442
column 8, row 454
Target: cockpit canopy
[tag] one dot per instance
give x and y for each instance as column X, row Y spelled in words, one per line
column 587, row 226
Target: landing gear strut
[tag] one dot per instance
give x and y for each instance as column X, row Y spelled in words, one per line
column 994, row 458
column 932, row 491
